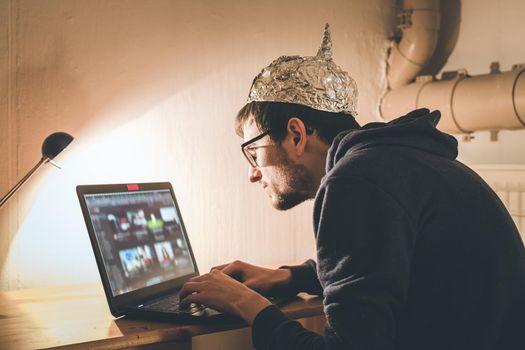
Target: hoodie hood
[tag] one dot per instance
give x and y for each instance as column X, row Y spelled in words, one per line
column 416, row 130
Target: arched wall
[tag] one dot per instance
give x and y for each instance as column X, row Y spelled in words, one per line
column 149, row 89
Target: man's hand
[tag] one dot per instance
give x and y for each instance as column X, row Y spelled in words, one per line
column 263, row 280
column 221, row 292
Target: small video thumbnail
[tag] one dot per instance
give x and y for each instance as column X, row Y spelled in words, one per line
column 154, row 223
column 119, row 222
column 181, row 243
column 137, row 218
column 169, row 215
column 142, row 235
column 136, row 260
column 164, row 252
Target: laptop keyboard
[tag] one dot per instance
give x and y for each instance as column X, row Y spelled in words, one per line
column 171, row 304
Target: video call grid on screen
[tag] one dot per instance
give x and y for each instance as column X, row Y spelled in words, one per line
column 140, row 238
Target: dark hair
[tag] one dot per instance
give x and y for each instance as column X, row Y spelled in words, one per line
column 274, row 116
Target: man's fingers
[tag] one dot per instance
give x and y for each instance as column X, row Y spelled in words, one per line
column 234, row 269
column 198, row 278
column 191, row 298
column 231, row 269
column 188, row 288
column 251, row 283
column 220, row 267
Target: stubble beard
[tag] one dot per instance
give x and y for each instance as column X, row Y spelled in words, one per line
column 297, row 185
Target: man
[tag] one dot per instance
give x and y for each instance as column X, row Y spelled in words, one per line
column 414, row 250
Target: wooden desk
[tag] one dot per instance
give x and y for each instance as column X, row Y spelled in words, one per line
column 78, row 318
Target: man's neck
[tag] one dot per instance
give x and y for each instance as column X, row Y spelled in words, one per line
column 317, row 164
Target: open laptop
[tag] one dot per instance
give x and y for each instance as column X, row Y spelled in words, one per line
column 141, row 247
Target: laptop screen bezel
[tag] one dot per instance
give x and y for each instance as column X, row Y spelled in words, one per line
column 118, row 302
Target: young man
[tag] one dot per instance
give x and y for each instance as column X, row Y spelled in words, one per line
column 414, row 250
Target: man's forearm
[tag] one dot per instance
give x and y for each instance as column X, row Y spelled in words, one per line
column 273, row 330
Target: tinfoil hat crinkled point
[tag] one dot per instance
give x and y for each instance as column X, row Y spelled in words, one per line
column 313, row 81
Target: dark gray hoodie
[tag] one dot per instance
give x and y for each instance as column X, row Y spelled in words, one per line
column 414, row 250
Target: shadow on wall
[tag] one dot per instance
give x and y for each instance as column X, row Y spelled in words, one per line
column 34, row 113
column 450, row 21
column 91, row 68
column 87, row 87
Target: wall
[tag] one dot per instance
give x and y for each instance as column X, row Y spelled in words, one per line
column 149, row 90
column 490, row 31
column 508, row 181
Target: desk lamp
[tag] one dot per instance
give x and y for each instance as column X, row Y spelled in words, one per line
column 51, row 147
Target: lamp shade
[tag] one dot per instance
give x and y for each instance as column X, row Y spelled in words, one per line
column 52, row 146
column 55, row 143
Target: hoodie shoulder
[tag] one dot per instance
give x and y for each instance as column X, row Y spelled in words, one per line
column 416, row 130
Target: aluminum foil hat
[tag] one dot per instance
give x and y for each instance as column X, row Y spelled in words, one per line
column 313, row 81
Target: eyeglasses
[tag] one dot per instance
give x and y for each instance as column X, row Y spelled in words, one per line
column 249, row 151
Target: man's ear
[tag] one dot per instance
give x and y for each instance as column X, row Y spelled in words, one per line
column 296, row 130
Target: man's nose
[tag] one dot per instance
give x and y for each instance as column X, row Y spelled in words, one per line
column 254, row 174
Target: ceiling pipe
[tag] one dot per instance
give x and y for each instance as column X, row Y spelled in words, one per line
column 419, row 22
column 492, row 101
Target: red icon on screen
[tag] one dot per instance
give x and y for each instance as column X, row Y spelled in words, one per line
column 133, row 187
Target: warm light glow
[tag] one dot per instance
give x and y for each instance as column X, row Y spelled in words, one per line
column 52, row 246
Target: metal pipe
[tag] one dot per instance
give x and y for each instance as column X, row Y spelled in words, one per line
column 485, row 102
column 420, row 27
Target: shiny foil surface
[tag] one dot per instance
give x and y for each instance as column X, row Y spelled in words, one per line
column 313, row 81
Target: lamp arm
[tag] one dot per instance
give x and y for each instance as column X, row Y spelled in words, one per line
column 21, row 182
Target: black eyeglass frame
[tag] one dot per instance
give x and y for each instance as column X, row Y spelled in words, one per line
column 244, row 148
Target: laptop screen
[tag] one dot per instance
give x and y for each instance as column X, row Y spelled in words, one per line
column 140, row 238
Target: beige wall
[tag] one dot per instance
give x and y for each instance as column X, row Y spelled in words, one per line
column 149, row 89
column 490, row 31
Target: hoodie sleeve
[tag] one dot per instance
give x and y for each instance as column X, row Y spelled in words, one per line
column 364, row 245
column 304, row 278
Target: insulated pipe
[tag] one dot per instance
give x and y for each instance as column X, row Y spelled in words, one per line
column 484, row 102
column 488, row 102
column 420, row 26
column 441, row 95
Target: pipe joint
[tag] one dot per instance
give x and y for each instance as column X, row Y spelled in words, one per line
column 419, row 22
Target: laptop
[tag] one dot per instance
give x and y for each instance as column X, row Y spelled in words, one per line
column 142, row 249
